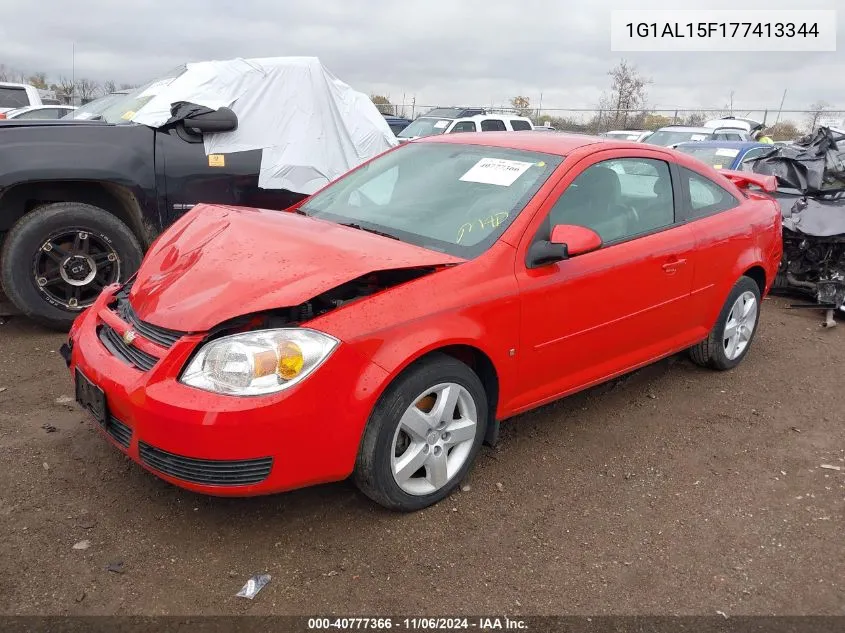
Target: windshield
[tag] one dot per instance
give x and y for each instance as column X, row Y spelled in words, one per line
column 452, row 198
column 667, row 137
column 425, row 127
column 124, row 106
column 625, row 136
column 716, row 157
column 94, row 108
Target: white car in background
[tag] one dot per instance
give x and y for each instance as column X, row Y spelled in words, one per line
column 39, row 112
column 730, row 123
column 433, row 125
column 627, row 135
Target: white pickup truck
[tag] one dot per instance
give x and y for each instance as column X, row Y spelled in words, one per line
column 14, row 96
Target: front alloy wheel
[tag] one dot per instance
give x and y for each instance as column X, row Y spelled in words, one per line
column 434, row 439
column 423, row 434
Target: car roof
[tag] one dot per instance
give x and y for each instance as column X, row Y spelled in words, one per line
column 560, row 144
column 726, row 144
column 487, row 117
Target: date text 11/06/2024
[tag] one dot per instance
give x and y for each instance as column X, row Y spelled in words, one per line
column 419, row 624
column 722, row 29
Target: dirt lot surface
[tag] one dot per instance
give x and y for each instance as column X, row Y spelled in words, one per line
column 675, row 491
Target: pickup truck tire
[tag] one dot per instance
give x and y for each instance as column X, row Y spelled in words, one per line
column 58, row 257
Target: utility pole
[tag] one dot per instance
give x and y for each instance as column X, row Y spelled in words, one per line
column 780, row 109
column 732, row 102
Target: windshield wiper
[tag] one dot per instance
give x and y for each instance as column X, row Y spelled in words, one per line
column 352, row 225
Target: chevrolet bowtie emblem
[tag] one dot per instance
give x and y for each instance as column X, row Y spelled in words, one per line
column 129, row 337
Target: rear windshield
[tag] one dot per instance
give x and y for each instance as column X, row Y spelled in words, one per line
column 13, row 97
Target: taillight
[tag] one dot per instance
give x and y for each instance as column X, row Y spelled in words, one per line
column 2, row 115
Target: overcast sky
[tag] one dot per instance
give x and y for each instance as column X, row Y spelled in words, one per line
column 439, row 51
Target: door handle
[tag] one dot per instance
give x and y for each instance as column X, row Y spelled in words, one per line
column 672, row 265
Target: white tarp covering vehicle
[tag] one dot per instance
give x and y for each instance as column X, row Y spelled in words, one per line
column 310, row 126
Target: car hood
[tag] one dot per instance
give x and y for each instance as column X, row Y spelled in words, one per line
column 9, row 123
column 217, row 263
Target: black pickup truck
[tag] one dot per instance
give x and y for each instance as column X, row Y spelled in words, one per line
column 81, row 201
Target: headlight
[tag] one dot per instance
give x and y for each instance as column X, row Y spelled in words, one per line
column 258, row 363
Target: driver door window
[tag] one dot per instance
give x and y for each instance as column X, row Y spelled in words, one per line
column 618, row 199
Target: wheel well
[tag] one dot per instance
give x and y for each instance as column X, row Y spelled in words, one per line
column 758, row 275
column 116, row 199
column 481, row 364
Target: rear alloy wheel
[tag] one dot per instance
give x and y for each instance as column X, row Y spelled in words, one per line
column 731, row 337
column 58, row 258
column 423, row 435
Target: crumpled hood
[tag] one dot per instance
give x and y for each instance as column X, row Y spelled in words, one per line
column 218, row 262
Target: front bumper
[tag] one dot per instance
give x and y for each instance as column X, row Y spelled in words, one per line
column 225, row 445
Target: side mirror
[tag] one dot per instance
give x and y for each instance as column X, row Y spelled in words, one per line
column 567, row 240
column 577, row 239
column 221, row 120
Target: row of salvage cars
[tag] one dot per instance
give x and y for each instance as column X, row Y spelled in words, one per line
column 383, row 325
column 811, row 192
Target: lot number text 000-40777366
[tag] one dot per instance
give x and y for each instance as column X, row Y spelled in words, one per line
column 693, row 30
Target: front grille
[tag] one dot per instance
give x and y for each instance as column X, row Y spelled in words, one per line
column 160, row 335
column 119, row 431
column 211, row 472
column 127, row 353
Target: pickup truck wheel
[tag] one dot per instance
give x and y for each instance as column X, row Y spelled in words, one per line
column 58, row 258
column 730, row 339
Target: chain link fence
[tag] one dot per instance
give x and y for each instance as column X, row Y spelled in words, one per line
column 782, row 124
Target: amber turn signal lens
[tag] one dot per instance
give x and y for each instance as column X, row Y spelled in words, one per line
column 291, row 360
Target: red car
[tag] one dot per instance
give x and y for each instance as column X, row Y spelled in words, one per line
column 383, row 327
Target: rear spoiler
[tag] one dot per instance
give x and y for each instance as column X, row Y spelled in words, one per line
column 743, row 179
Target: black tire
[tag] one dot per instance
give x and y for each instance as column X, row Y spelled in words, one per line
column 373, row 474
column 24, row 243
column 711, row 351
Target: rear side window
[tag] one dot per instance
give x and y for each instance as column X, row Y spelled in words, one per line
column 705, row 196
column 493, row 125
column 13, row 97
column 517, row 124
column 464, row 126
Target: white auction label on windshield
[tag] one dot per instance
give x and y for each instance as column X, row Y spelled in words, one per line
column 496, row 171
column 726, row 151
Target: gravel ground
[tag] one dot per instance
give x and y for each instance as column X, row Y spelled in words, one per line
column 675, row 491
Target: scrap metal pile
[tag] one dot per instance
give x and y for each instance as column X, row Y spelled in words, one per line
column 811, row 194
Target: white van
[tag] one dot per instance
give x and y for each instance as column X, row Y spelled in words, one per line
column 431, row 126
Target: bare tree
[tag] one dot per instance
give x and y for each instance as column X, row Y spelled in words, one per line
column 382, row 103
column 4, row 72
column 67, row 89
column 628, row 94
column 109, row 87
column 86, row 89
column 816, row 111
column 522, row 105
